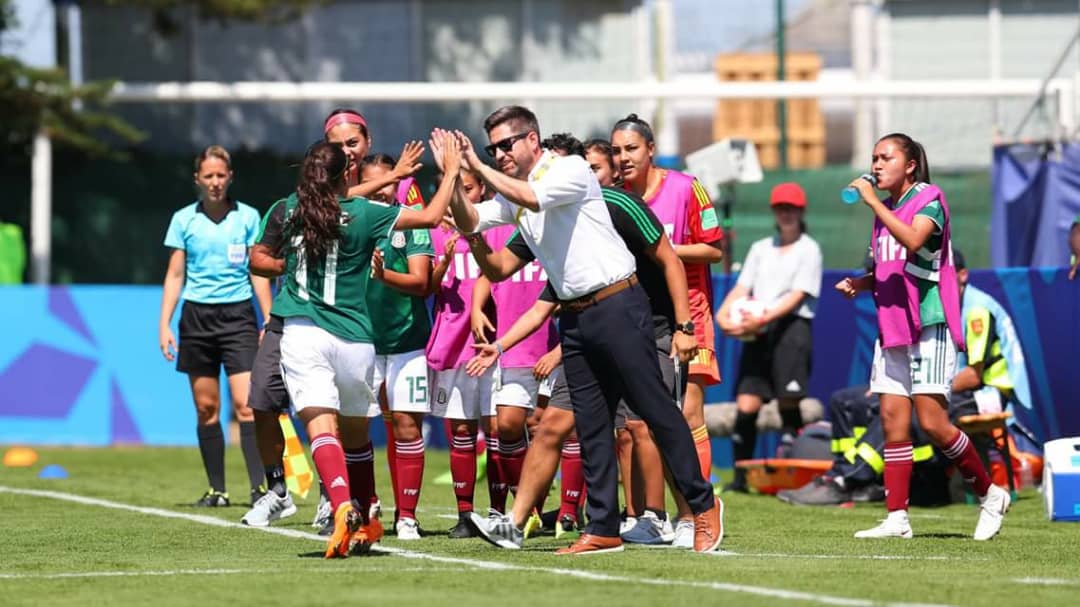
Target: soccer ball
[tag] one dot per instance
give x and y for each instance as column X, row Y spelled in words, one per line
column 746, row 306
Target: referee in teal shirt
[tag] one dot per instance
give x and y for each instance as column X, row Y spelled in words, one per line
column 210, row 241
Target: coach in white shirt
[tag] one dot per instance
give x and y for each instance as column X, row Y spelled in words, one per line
column 606, row 323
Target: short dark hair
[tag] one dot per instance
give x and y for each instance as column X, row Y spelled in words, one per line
column 913, row 150
column 633, row 123
column 603, row 146
column 958, row 260
column 566, row 143
column 522, row 117
column 385, row 160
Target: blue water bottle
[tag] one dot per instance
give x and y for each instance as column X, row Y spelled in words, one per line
column 850, row 195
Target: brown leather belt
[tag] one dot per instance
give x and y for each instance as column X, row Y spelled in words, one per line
column 587, row 301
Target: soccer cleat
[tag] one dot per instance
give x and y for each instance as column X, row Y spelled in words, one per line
column 566, row 525
column 550, row 519
column 709, row 528
column 464, row 527
column 992, row 511
column 894, row 525
column 375, row 510
column 256, row 494
column 324, row 515
column 366, row 536
column 407, row 529
column 684, row 534
column 213, row 499
column 627, row 523
column 592, row 544
column 649, row 530
column 347, row 522
column 498, row 530
column 269, row 508
column 822, row 491
column 533, row 525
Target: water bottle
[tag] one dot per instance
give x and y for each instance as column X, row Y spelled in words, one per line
column 850, row 195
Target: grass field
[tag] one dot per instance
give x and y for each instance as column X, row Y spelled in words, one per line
column 137, row 541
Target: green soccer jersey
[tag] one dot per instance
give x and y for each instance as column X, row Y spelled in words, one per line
column 332, row 291
column 400, row 321
column 931, row 311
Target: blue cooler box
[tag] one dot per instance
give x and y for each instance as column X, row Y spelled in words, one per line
column 1061, row 479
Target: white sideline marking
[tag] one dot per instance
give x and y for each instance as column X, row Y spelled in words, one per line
column 93, row 574
column 848, row 557
column 1045, row 581
column 776, row 593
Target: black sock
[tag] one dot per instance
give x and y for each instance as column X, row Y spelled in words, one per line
column 251, row 454
column 791, row 420
column 275, row 479
column 212, row 448
column 744, row 437
column 743, row 441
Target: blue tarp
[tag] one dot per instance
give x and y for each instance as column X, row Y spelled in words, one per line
column 1036, row 189
column 80, row 365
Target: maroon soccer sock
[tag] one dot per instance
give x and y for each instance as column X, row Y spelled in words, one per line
column 573, row 479
column 330, row 462
column 898, row 466
column 497, row 489
column 361, row 466
column 511, row 459
column 963, row 454
column 463, row 469
column 410, row 474
column 391, row 455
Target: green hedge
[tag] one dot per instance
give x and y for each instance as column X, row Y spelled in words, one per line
column 109, row 217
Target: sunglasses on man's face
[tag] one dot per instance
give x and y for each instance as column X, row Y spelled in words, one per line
column 505, row 144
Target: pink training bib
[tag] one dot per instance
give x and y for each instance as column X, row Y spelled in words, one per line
column 450, row 344
column 513, row 297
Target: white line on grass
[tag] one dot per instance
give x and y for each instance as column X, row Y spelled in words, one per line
column 1045, row 581
column 176, row 572
column 776, row 593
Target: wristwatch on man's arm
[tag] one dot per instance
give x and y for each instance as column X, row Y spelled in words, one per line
column 685, row 327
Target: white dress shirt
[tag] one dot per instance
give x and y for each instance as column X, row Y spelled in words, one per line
column 571, row 235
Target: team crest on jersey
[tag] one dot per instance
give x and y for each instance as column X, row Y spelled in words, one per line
column 977, row 326
column 398, row 240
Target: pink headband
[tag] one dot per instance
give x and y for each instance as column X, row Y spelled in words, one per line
column 344, row 118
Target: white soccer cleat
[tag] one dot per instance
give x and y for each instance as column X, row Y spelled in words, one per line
column 268, row 509
column 324, row 514
column 408, row 529
column 894, row 525
column 994, row 505
column 684, row 535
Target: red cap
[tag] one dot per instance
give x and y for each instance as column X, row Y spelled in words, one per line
column 788, row 193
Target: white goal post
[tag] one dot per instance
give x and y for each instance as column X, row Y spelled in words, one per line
column 1063, row 90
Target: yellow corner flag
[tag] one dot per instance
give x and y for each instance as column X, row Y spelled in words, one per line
column 298, row 475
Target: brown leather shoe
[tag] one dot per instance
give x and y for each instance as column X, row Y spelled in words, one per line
column 709, row 528
column 593, row 544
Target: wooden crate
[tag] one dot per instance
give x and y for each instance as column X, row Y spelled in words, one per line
column 756, row 119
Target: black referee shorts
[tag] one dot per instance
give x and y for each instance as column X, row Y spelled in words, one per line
column 777, row 364
column 268, row 391
column 213, row 335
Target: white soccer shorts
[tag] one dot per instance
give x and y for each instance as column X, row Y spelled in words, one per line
column 927, row 367
column 517, row 388
column 406, row 378
column 323, row 370
column 455, row 395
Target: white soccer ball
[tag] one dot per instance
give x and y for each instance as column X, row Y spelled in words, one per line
column 746, row 307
